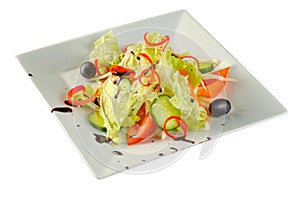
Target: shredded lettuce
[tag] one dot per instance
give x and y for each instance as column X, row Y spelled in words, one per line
column 188, row 67
column 191, row 112
column 106, row 50
column 107, row 109
column 129, row 60
column 153, row 52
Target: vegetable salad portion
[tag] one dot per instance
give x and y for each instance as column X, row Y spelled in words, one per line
column 147, row 89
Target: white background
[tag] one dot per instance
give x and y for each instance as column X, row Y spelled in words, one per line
column 38, row 161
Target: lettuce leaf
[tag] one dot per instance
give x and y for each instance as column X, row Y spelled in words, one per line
column 129, row 60
column 107, row 112
column 188, row 67
column 106, row 50
column 118, row 107
column 191, row 112
column 153, row 52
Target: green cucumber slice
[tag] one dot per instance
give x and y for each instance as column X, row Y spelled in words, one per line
column 97, row 121
column 206, row 67
column 161, row 109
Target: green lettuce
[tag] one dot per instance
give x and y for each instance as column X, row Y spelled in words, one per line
column 190, row 68
column 119, row 107
column 106, row 50
column 191, row 112
column 130, row 60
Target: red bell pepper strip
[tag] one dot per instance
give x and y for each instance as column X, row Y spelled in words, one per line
column 147, row 57
column 164, row 40
column 119, row 70
column 192, row 57
column 97, row 67
column 181, row 123
column 77, row 89
column 152, row 76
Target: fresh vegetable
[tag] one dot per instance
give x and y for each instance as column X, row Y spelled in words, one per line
column 124, row 84
column 97, row 121
column 78, row 89
column 96, row 62
column 146, row 57
column 119, row 70
column 152, row 76
column 206, row 67
column 164, row 41
column 161, row 109
column 148, row 87
column 183, row 66
column 192, row 57
column 142, row 129
column 219, row 107
column 213, row 87
column 87, row 70
column 183, row 125
column 106, row 50
column 180, row 92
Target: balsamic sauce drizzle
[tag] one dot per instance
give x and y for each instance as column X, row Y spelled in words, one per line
column 62, row 109
column 101, row 139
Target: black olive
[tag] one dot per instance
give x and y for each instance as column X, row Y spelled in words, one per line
column 87, row 70
column 219, row 107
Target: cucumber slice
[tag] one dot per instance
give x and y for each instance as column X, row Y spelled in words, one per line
column 161, row 109
column 206, row 67
column 124, row 84
column 97, row 121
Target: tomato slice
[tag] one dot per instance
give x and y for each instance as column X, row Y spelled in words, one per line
column 143, row 129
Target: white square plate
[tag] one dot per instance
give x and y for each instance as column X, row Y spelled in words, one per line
column 53, row 70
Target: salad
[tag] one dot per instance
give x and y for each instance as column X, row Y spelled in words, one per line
column 148, row 90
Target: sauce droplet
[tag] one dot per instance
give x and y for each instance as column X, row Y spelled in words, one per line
column 69, row 104
column 184, row 140
column 160, row 154
column 173, row 148
column 62, row 109
column 118, row 153
column 101, row 139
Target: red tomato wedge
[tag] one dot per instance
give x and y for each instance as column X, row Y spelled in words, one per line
column 213, row 86
column 143, row 129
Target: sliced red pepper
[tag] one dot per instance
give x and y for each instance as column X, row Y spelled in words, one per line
column 164, row 40
column 192, row 57
column 77, row 89
column 213, row 87
column 97, row 67
column 119, row 70
column 147, row 57
column 183, row 125
column 152, row 76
